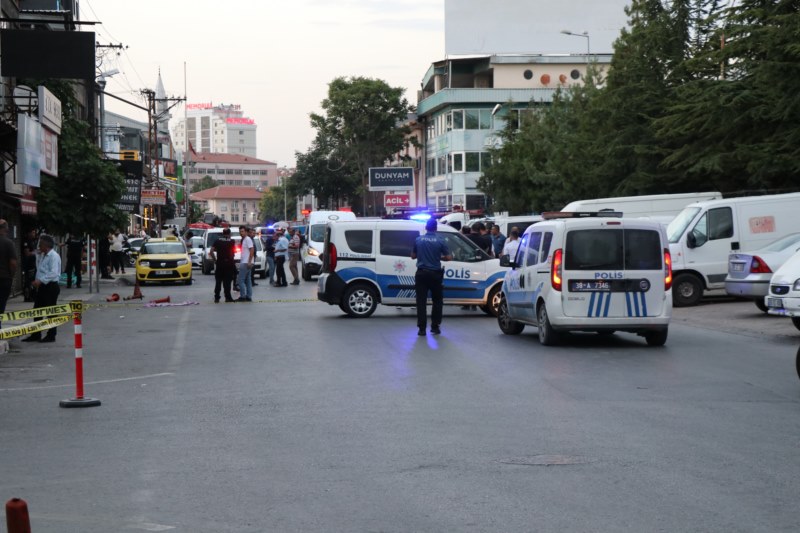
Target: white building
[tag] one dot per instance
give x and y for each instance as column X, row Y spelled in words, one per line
column 221, row 129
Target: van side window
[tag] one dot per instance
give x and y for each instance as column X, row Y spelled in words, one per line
column 533, row 249
column 546, row 241
column 359, row 241
column 522, row 250
column 720, row 223
column 642, row 250
column 462, row 249
column 395, row 242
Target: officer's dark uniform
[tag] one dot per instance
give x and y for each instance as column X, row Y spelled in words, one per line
column 225, row 269
column 74, row 259
column 429, row 249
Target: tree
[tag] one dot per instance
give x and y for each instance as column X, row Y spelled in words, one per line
column 206, row 182
column 332, row 181
column 82, row 199
column 361, row 125
column 272, row 204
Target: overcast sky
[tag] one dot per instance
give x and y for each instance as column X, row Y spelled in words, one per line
column 276, row 57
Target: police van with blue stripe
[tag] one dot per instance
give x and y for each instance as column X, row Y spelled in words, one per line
column 368, row 262
column 594, row 272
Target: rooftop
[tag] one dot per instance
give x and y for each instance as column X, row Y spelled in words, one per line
column 238, row 159
column 226, row 192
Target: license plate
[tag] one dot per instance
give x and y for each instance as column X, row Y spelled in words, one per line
column 589, row 286
column 775, row 303
column 737, row 267
column 163, row 272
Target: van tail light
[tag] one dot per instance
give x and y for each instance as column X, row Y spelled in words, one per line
column 237, row 250
column 758, row 266
column 331, row 257
column 555, row 269
column 667, row 270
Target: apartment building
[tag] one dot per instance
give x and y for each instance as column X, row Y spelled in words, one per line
column 237, row 205
column 218, row 128
column 231, row 169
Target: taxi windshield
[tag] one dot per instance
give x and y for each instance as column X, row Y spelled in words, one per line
column 163, row 248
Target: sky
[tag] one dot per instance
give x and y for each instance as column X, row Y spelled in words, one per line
column 276, row 57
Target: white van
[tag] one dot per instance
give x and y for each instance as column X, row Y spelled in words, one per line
column 659, row 207
column 311, row 251
column 589, row 272
column 367, row 262
column 702, row 236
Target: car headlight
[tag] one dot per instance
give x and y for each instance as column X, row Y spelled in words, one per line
column 313, row 251
column 796, row 286
column 144, row 263
column 182, row 262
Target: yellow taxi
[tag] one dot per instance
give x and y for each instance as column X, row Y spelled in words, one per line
column 164, row 260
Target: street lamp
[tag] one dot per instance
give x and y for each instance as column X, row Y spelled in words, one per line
column 584, row 34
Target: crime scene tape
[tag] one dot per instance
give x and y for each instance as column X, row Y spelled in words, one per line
column 145, row 304
column 43, row 312
column 35, row 327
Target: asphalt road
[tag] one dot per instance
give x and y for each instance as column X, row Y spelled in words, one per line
column 285, row 415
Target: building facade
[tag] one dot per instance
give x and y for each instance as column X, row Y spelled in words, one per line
column 465, row 103
column 231, row 169
column 237, row 205
column 219, row 129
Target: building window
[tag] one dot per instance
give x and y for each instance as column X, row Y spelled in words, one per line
column 223, row 207
column 457, row 162
column 238, row 171
column 262, row 172
column 458, row 119
column 473, row 161
column 471, row 119
column 241, row 132
column 228, row 171
column 235, row 217
column 246, row 172
column 235, row 206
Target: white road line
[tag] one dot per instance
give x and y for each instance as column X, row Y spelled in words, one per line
column 92, row 382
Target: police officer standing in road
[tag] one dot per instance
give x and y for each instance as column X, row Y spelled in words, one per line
column 224, row 266
column 429, row 251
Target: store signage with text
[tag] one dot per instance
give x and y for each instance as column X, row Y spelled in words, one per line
column 154, row 197
column 396, row 200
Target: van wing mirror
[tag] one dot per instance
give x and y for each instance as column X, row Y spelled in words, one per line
column 505, row 261
column 691, row 240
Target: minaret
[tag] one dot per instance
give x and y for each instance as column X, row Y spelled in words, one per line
column 162, row 105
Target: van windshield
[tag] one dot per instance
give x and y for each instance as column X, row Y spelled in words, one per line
column 618, row 249
column 678, row 226
column 317, row 233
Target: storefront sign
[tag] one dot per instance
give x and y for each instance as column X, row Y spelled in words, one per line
column 49, row 110
column 391, row 179
column 154, row 197
column 396, row 200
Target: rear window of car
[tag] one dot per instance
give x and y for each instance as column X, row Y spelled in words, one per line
column 613, row 249
column 358, row 240
column 397, row 242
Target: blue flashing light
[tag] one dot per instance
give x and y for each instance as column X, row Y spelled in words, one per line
column 422, row 217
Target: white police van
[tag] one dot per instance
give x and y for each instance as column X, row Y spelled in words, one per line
column 367, row 262
column 589, row 272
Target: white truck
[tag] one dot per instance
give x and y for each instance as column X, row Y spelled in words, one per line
column 658, row 207
column 702, row 236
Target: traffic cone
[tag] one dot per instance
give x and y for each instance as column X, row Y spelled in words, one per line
column 113, row 298
column 137, row 292
column 160, row 301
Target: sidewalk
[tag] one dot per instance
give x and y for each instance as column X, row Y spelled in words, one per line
column 107, row 288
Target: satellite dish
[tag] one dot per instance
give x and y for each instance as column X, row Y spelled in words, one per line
column 25, row 98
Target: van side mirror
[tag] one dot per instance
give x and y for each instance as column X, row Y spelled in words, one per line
column 691, row 240
column 505, row 261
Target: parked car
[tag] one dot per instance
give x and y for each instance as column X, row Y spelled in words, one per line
column 164, row 260
column 749, row 273
column 261, row 255
column 196, row 246
column 133, row 247
column 783, row 298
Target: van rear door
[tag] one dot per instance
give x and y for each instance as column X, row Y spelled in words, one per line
column 613, row 269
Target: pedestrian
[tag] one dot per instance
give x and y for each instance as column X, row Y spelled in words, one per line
column 269, row 246
column 48, row 272
column 246, row 263
column 498, row 240
column 224, row 265
column 29, row 248
column 104, row 257
column 75, row 245
column 8, row 264
column 251, row 232
column 294, row 254
column 117, row 243
column 429, row 251
column 482, row 238
column 281, row 252
column 512, row 244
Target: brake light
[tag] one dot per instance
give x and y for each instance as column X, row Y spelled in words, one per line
column 555, row 270
column 758, row 266
column 237, row 250
column 667, row 270
column 331, row 257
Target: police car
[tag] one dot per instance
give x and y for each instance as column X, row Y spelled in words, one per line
column 593, row 272
column 368, row 262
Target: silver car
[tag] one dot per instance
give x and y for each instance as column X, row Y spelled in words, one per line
column 749, row 273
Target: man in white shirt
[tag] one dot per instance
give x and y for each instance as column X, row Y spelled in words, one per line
column 512, row 244
column 281, row 253
column 246, row 264
column 48, row 272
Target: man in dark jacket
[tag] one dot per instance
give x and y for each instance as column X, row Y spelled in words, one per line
column 74, row 244
column 482, row 238
column 225, row 269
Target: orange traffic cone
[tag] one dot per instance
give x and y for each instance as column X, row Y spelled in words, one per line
column 113, row 298
column 160, row 301
column 137, row 292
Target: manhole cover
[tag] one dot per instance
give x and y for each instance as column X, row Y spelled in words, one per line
column 546, row 460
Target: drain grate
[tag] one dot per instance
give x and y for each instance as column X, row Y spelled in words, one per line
column 546, row 460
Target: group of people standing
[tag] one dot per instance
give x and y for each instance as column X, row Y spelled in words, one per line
column 279, row 248
column 493, row 242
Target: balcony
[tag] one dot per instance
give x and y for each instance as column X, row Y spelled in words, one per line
column 455, row 97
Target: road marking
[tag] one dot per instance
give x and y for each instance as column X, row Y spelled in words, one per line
column 92, row 382
column 144, row 526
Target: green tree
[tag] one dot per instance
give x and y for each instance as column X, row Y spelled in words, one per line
column 272, row 204
column 361, row 125
column 331, row 180
column 82, row 199
column 206, row 182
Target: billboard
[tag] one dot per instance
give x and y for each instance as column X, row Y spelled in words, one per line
column 129, row 202
column 391, row 179
column 396, row 200
column 47, row 54
column 154, row 197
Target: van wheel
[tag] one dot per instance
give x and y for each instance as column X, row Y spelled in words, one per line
column 656, row 338
column 796, row 322
column 547, row 335
column 492, row 307
column 507, row 325
column 761, row 305
column 360, row 301
column 686, row 290
column 306, row 275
